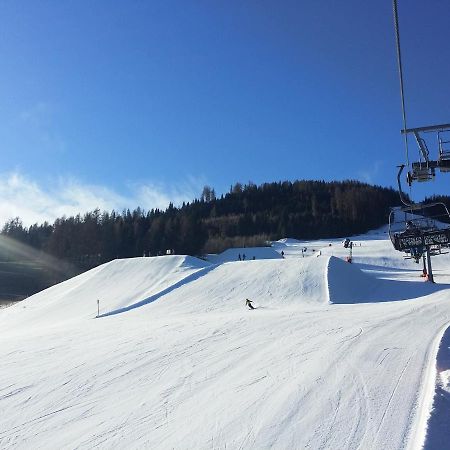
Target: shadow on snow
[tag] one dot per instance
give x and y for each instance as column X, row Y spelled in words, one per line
column 190, row 278
column 438, row 431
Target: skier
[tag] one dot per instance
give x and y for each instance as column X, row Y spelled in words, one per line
column 249, row 303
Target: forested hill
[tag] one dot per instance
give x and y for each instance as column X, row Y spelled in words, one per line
column 247, row 215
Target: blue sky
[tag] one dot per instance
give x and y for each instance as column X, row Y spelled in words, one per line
column 129, row 103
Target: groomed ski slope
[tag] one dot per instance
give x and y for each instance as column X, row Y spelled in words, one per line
column 336, row 355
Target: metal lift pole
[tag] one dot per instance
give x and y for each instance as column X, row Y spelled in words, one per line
column 424, row 271
column 430, row 270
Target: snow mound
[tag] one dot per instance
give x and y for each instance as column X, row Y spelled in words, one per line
column 118, row 284
column 232, row 254
column 348, row 284
column 270, row 284
column 287, row 241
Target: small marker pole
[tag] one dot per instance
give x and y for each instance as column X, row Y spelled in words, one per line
column 98, row 308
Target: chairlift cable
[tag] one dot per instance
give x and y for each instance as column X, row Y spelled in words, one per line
column 400, row 73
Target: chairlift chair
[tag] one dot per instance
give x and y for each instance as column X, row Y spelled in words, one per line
column 417, row 228
column 444, row 150
column 425, row 169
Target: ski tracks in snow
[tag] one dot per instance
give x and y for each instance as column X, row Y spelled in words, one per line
column 387, row 408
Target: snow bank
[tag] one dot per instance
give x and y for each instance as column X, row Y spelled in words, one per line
column 436, row 408
column 232, row 254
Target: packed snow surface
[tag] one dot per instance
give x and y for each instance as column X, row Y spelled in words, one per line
column 244, row 253
column 334, row 356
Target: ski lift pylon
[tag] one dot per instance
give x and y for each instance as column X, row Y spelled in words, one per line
column 415, row 238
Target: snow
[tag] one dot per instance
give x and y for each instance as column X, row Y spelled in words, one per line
column 287, row 241
column 232, row 254
column 438, row 431
column 445, row 380
column 335, row 355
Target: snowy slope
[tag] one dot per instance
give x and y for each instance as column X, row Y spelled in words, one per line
column 270, row 284
column 247, row 253
column 336, row 355
column 119, row 284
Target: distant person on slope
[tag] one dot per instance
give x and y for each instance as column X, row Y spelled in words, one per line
column 249, row 303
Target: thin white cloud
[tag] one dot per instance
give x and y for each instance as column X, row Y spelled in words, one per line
column 35, row 203
column 158, row 195
column 370, row 174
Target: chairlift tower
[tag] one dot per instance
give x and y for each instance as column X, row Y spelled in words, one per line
column 420, row 233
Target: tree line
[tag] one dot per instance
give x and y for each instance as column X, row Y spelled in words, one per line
column 247, row 215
